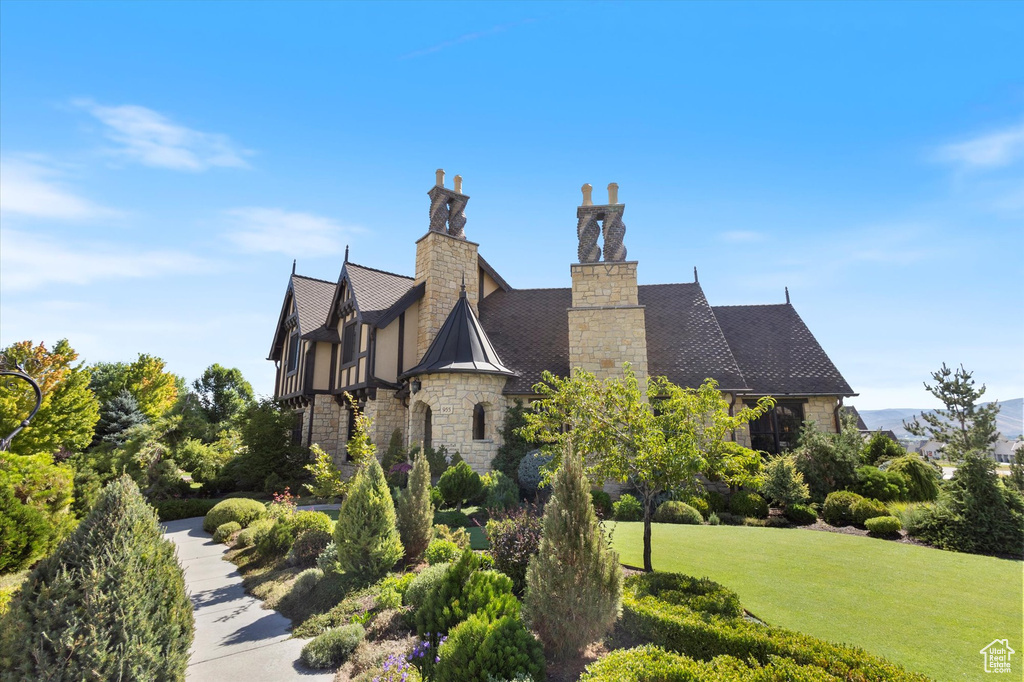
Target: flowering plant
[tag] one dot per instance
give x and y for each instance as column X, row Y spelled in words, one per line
column 283, row 505
column 397, row 668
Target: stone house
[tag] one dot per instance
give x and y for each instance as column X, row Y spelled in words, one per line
column 442, row 354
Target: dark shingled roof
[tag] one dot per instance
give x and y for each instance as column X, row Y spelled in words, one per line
column 312, row 299
column 530, row 330
column 852, row 411
column 460, row 346
column 777, row 353
column 375, row 290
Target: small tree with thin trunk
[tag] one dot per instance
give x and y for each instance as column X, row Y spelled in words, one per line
column 964, row 426
column 574, row 583
column 415, row 512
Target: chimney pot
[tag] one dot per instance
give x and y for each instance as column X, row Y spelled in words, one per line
column 458, row 184
column 439, row 177
column 587, row 189
column 613, row 193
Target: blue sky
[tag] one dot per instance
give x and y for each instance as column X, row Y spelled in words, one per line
column 162, row 164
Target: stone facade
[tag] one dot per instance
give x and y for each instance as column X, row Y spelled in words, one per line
column 442, row 261
column 329, row 423
column 451, row 399
column 606, row 324
column 388, row 413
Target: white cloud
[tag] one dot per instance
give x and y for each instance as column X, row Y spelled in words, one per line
column 33, row 188
column 992, row 150
column 152, row 139
column 30, row 261
column 272, row 230
column 742, row 237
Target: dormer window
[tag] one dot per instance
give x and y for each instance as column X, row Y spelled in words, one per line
column 348, row 344
column 293, row 350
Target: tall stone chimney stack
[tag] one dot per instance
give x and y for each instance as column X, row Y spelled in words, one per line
column 443, row 258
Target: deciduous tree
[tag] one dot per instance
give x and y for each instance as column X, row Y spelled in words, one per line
column 222, row 393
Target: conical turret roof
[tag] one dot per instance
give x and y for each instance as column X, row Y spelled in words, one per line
column 460, row 346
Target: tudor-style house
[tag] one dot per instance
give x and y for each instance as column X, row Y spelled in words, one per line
column 442, row 354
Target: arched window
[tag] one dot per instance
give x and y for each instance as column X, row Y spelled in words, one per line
column 427, row 429
column 478, row 422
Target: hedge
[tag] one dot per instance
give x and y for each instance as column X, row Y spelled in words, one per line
column 665, row 609
column 652, row 664
column 172, row 510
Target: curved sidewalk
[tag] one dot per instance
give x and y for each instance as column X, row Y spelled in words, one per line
column 235, row 638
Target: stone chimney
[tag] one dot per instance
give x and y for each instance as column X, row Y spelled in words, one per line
column 606, row 321
column 443, row 258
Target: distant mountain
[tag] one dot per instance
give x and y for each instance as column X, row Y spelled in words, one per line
column 1010, row 421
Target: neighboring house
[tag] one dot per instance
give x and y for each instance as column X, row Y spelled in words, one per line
column 442, row 354
column 865, row 432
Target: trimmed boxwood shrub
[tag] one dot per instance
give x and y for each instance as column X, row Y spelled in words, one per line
column 332, row 648
column 108, row 604
column 172, row 510
column 678, row 512
column 883, row 525
column 865, row 509
column 838, row 507
column 225, row 531
column 801, row 514
column 240, row 510
column 628, row 508
column 660, row 610
column 744, row 503
column 481, row 649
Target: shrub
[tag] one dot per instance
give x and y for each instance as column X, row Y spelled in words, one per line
column 109, row 603
column 392, row 590
column 828, row 461
column 677, row 512
column 425, row 582
column 713, row 519
column 365, row 535
column 529, row 473
column 328, row 559
column 864, row 509
column 24, row 532
column 415, row 514
column 886, row 486
column 395, row 461
column 921, row 478
column 240, row 510
column 880, row 448
column 602, row 502
column 883, row 525
column 441, row 551
column 838, row 508
column 744, row 503
column 627, row 508
column 514, row 539
column 513, row 446
column 305, row 582
column 500, row 492
column 801, row 514
column 911, row 514
column 574, row 584
column 327, row 482
column 697, row 594
column 308, row 546
column 480, row 649
column 655, row 611
column 333, row 647
column 35, row 482
column 717, row 502
column 451, row 518
column 457, row 535
column 277, row 541
column 462, row 591
column 782, row 483
column 172, row 510
column 458, row 484
column 225, row 531
column 311, row 520
column 700, row 504
column 436, row 498
column 254, row 533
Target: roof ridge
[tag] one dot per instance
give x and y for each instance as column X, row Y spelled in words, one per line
column 756, row 305
column 383, row 272
column 672, row 284
column 543, row 289
column 315, row 279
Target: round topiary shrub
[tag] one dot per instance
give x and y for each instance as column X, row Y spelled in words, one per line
column 801, row 514
column 838, row 508
column 883, row 526
column 311, row 520
column 441, row 551
column 749, row 504
column 628, row 508
column 308, row 546
column 239, row 509
column 866, row 508
column 678, row 512
column 480, row 649
column 332, row 648
column 225, row 531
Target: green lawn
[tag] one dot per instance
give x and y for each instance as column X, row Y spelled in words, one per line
column 930, row 610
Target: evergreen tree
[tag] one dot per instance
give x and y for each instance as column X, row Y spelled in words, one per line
column 513, row 445
column 366, row 535
column 574, row 583
column 117, row 416
column 395, row 455
column 964, row 426
column 415, row 512
column 1016, row 477
column 108, row 604
column 783, row 484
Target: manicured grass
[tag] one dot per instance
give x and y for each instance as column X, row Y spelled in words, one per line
column 929, row 610
column 477, row 539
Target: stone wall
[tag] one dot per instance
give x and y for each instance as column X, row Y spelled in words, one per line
column 604, row 284
column 388, row 414
column 329, row 421
column 451, row 398
column 441, row 262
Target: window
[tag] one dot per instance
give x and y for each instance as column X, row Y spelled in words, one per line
column 777, row 430
column 293, row 351
column 348, row 344
column 478, row 422
column 428, row 428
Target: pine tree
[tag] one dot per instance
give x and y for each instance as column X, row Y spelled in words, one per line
column 574, row 583
column 365, row 535
column 117, row 416
column 415, row 512
column 964, row 426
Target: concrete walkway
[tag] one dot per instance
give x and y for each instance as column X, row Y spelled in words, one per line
column 236, row 639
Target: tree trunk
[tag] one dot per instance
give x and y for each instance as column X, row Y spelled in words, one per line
column 647, row 538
